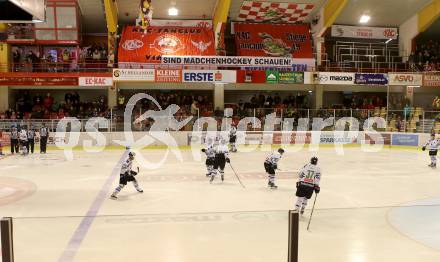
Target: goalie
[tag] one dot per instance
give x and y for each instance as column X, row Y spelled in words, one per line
column 433, row 144
column 127, row 175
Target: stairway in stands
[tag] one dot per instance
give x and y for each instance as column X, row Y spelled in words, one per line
column 426, row 126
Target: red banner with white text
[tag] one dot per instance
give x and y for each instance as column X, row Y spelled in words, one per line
column 279, row 40
column 137, row 46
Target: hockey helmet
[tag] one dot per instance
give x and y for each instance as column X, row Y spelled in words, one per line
column 131, row 155
column 314, row 160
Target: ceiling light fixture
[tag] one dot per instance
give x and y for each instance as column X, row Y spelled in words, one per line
column 173, row 11
column 364, row 19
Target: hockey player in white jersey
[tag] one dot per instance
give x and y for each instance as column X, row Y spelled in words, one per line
column 309, row 179
column 127, row 175
column 221, row 158
column 271, row 164
column 432, row 145
column 210, row 158
column 23, row 137
column 233, row 139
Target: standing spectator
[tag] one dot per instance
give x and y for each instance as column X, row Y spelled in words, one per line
column 65, row 58
column 48, row 101
column 16, row 58
column 44, row 134
column 194, row 108
column 96, row 55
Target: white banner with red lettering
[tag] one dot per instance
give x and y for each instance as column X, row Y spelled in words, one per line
column 95, row 81
column 182, row 23
column 364, row 32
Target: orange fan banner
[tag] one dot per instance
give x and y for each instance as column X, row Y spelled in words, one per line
column 277, row 40
column 146, row 47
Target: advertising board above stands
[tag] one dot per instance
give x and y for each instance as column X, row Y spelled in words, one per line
column 138, row 47
column 364, row 32
column 259, row 47
column 275, row 40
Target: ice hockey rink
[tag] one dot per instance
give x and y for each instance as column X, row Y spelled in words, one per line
column 382, row 206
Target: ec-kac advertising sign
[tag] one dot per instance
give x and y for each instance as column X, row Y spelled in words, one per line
column 371, row 79
column 405, row 79
column 209, row 76
column 95, row 81
column 336, row 78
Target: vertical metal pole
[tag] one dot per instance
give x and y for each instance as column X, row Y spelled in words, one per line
column 404, row 121
column 423, row 126
column 388, row 103
column 111, row 120
column 282, row 110
column 7, row 242
column 293, row 236
column 254, row 118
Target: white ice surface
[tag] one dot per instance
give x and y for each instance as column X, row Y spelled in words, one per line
column 182, row 218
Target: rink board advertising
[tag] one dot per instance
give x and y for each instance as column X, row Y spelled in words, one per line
column 371, row 79
column 405, row 140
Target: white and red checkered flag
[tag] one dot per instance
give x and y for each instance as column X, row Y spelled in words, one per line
column 277, row 12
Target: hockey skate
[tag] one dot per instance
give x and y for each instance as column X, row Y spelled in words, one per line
column 113, row 196
column 140, row 190
column 272, row 185
column 222, row 177
column 212, row 178
column 302, row 210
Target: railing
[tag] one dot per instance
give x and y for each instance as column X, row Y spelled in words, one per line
column 58, row 67
column 410, row 120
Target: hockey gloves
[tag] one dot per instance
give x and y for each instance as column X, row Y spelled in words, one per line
column 317, row 189
column 133, row 173
column 424, row 148
column 228, row 160
column 298, row 184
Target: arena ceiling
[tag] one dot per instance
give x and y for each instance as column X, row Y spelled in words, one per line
column 382, row 12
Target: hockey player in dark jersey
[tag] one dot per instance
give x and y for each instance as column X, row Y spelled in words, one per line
column 210, row 159
column 309, row 179
column 127, row 175
column 271, row 164
column 221, row 158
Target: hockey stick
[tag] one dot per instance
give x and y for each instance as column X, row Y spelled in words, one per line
column 235, row 173
column 313, row 209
